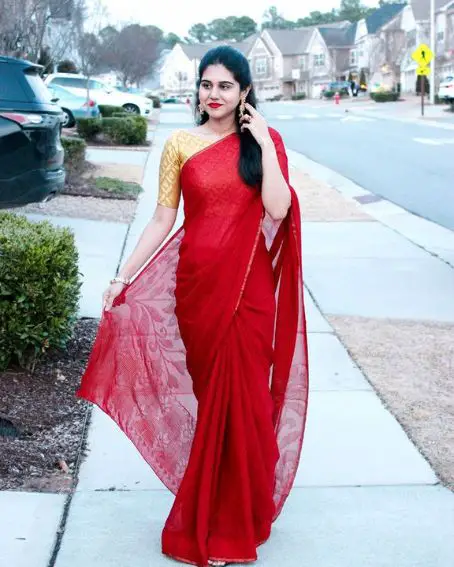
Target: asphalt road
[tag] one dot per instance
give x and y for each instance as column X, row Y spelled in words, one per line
column 409, row 164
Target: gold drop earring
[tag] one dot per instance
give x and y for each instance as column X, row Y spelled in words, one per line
column 201, row 110
column 242, row 108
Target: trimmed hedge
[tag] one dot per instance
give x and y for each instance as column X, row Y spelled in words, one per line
column 107, row 110
column 89, row 128
column 385, row 96
column 123, row 129
column 128, row 131
column 74, row 156
column 39, row 289
column 299, row 96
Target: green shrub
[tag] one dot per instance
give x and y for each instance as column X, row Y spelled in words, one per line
column 299, row 96
column 74, row 156
column 67, row 66
column 39, row 289
column 329, row 94
column 88, row 128
column 107, row 110
column 384, row 96
column 128, row 131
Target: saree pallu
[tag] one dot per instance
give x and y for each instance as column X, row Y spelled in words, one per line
column 202, row 362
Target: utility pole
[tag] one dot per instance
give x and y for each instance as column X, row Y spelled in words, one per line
column 432, row 47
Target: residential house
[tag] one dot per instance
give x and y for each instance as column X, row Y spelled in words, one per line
column 180, row 68
column 444, row 38
column 416, row 25
column 340, row 39
column 288, row 62
column 369, row 50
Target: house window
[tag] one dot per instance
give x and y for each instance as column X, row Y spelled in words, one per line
column 440, row 36
column 411, row 38
column 260, row 65
column 319, row 60
column 353, row 57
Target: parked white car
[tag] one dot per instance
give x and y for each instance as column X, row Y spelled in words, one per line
column 100, row 92
column 446, row 89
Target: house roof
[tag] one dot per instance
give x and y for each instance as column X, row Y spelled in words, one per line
column 198, row 50
column 381, row 16
column 421, row 8
column 291, row 42
column 339, row 36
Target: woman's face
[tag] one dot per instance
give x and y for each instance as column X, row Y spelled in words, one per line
column 219, row 92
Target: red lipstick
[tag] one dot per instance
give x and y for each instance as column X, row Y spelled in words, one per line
column 214, row 105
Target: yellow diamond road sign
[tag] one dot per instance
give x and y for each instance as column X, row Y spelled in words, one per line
column 422, row 55
column 425, row 71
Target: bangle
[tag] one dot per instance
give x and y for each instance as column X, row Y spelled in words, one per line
column 119, row 279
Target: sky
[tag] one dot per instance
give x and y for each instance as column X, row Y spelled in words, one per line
column 179, row 15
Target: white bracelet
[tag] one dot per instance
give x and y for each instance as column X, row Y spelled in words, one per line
column 119, row 279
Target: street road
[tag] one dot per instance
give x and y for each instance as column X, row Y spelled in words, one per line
column 409, row 164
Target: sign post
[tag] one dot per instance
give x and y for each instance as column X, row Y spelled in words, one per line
column 423, row 55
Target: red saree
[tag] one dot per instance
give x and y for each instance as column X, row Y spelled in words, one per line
column 202, row 362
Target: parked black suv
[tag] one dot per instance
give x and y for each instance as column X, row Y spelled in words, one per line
column 31, row 154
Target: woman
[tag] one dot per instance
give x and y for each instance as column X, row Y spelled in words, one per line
column 202, row 359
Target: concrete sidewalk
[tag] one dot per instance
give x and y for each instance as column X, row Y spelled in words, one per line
column 363, row 496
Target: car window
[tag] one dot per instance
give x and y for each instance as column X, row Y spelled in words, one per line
column 58, row 81
column 21, row 84
column 10, row 85
column 96, row 85
column 61, row 92
column 37, row 85
column 71, row 82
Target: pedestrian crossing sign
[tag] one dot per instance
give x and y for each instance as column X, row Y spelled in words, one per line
column 423, row 55
column 423, row 71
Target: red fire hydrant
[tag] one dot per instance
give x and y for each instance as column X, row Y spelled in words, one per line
column 337, row 98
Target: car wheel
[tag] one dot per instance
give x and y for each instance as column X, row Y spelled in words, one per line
column 131, row 108
column 68, row 118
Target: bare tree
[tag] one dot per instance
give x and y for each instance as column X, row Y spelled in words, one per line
column 134, row 50
column 23, row 25
column 91, row 51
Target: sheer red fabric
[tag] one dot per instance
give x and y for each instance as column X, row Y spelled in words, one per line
column 202, row 362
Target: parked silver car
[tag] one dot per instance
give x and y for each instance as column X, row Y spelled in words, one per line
column 73, row 106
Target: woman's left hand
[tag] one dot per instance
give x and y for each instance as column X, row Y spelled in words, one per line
column 254, row 121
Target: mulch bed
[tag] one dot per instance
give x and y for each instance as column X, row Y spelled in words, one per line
column 41, row 420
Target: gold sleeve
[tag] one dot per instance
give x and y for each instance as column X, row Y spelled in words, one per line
column 169, row 175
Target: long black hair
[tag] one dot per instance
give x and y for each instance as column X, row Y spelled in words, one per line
column 250, row 162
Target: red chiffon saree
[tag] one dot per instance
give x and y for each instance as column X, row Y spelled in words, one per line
column 202, row 362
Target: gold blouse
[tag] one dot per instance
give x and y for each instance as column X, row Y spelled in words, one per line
column 179, row 147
